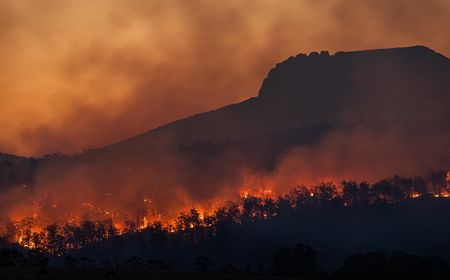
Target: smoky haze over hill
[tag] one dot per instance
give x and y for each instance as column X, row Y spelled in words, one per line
column 307, row 90
column 142, row 64
column 361, row 115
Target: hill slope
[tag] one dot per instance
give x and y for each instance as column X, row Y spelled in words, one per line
column 360, row 115
column 308, row 90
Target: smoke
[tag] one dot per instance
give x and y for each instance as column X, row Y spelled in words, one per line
column 392, row 116
column 76, row 74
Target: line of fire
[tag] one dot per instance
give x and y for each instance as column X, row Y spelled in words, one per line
column 75, row 231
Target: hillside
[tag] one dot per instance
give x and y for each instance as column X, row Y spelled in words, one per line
column 363, row 115
column 307, row 90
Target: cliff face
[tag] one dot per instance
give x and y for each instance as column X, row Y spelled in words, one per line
column 321, row 88
column 364, row 107
column 353, row 115
column 322, row 72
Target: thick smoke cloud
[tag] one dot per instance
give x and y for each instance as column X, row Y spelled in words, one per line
column 78, row 73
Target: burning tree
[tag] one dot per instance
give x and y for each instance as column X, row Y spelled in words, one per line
column 63, row 236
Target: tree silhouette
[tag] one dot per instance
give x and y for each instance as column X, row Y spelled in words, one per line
column 251, row 208
column 437, row 180
column 300, row 196
column 372, row 265
column 300, row 261
column 200, row 230
column 202, row 264
column 325, row 193
column 350, row 193
column 284, row 206
column 71, row 262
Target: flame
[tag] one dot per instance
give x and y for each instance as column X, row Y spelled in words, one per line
column 30, row 225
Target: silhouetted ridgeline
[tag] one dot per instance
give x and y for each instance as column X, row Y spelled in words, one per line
column 16, row 171
column 309, row 90
column 363, row 115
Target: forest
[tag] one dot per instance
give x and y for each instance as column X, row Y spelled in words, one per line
column 312, row 231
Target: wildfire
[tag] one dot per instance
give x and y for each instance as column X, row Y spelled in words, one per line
column 444, row 194
column 261, row 193
column 33, row 229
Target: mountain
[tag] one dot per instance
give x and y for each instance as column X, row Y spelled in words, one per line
column 401, row 93
column 15, row 170
column 360, row 114
column 309, row 90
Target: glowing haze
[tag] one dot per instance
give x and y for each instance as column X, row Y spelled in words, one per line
column 80, row 73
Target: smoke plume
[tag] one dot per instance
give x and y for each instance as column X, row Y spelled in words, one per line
column 76, row 74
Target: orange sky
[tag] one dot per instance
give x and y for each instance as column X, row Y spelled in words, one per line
column 79, row 73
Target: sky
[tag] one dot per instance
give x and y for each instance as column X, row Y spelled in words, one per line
column 79, row 74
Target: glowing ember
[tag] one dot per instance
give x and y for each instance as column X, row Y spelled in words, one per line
column 33, row 229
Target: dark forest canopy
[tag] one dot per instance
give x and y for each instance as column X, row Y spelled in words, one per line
column 337, row 220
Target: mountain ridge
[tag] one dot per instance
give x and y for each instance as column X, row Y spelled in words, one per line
column 408, row 54
column 363, row 115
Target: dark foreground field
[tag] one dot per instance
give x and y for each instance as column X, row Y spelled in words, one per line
column 62, row 273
